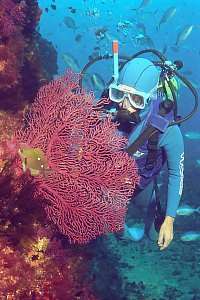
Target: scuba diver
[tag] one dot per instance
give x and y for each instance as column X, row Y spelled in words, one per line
column 136, row 98
column 142, row 100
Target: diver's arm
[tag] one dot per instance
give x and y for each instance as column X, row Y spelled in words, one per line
column 172, row 142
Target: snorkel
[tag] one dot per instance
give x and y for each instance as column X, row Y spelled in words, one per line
column 123, row 116
column 115, row 48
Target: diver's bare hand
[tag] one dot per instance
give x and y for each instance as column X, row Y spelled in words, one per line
column 166, row 233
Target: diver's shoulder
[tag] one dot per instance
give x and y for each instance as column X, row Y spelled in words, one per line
column 172, row 133
column 175, row 129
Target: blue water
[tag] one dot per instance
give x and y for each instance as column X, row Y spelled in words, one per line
column 110, row 14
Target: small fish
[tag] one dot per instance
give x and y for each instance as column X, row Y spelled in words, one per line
column 97, row 82
column 168, row 14
column 93, row 12
column 100, row 32
column 135, row 233
column 144, row 40
column 190, row 236
column 70, row 23
column 78, row 37
column 141, row 28
column 184, row 34
column 198, row 162
column 33, row 160
column 72, row 9
column 46, row 9
column 53, row 6
column 139, row 36
column 187, row 210
column 143, row 4
column 71, row 62
column 192, row 135
column 124, row 25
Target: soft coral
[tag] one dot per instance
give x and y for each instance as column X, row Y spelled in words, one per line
column 91, row 178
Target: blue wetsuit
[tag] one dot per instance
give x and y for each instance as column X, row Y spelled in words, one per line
column 171, row 150
column 171, row 142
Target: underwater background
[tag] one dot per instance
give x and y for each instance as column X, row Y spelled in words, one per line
column 39, row 41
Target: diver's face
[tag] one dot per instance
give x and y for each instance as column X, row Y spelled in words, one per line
column 125, row 104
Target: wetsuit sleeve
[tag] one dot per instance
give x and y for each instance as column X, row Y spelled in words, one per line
column 172, row 142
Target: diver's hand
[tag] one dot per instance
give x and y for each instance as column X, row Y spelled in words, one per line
column 166, row 233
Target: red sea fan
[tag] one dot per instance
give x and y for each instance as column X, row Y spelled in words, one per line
column 91, row 178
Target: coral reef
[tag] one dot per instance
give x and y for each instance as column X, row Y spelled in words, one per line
column 33, row 262
column 31, row 250
column 21, row 70
column 12, row 17
column 39, row 267
column 75, row 144
column 88, row 178
column 86, row 171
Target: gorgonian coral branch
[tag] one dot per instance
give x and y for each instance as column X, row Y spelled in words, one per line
column 91, row 177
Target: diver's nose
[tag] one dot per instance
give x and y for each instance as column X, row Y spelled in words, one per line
column 125, row 103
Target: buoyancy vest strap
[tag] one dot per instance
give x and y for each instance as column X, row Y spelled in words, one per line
column 152, row 147
column 165, row 107
column 141, row 139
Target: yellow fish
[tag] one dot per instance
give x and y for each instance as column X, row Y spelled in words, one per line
column 34, row 160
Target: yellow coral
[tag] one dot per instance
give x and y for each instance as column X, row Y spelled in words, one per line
column 35, row 258
column 41, row 244
column 2, row 164
column 2, row 65
column 36, row 255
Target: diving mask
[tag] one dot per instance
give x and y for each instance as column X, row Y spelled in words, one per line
column 117, row 93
